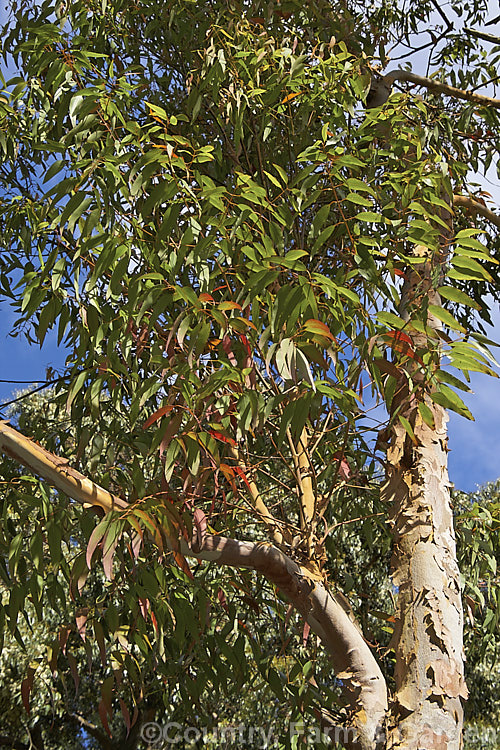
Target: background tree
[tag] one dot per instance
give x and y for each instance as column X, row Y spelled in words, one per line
column 235, row 253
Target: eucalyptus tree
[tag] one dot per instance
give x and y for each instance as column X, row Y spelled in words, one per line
column 246, row 223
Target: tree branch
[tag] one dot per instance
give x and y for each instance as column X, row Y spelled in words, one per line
column 259, row 505
column 56, row 471
column 441, row 88
column 304, row 473
column 93, row 730
column 483, row 35
column 362, row 680
column 475, row 206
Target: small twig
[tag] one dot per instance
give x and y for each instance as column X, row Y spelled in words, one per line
column 29, row 393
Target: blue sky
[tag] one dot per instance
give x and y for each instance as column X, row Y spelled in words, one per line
column 474, row 446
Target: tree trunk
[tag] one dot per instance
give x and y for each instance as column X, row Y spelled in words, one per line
column 428, row 635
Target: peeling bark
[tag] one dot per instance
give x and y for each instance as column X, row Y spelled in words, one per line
column 428, row 635
column 363, row 683
column 429, row 621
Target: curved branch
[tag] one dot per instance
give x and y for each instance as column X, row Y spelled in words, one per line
column 363, row 683
column 473, row 205
column 439, row 87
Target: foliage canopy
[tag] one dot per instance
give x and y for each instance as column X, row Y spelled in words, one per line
column 201, row 200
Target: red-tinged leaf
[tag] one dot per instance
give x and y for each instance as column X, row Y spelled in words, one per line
column 104, row 718
column 74, row 671
column 52, row 652
column 222, row 599
column 387, row 367
column 344, row 468
column 316, row 326
column 226, row 345
column 291, row 96
column 81, row 623
column 135, row 716
column 229, row 305
column 90, row 656
column 63, row 637
column 150, row 524
column 397, row 272
column 136, row 544
column 125, row 714
column 246, row 344
column 243, row 476
column 305, row 633
column 402, row 343
column 204, row 297
column 200, row 522
column 107, row 561
column 182, row 563
column 109, row 545
column 26, row 687
column 399, row 336
column 154, row 621
column 172, row 429
column 221, row 437
column 228, row 472
column 157, row 415
column 246, row 322
column 144, row 606
column 94, row 540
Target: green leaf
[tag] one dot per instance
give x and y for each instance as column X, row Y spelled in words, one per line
column 359, row 200
column 446, row 377
column 427, row 415
column 408, row 428
column 469, row 267
column 450, row 400
column 446, row 317
column 457, row 295
column 391, row 320
column 371, row 217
